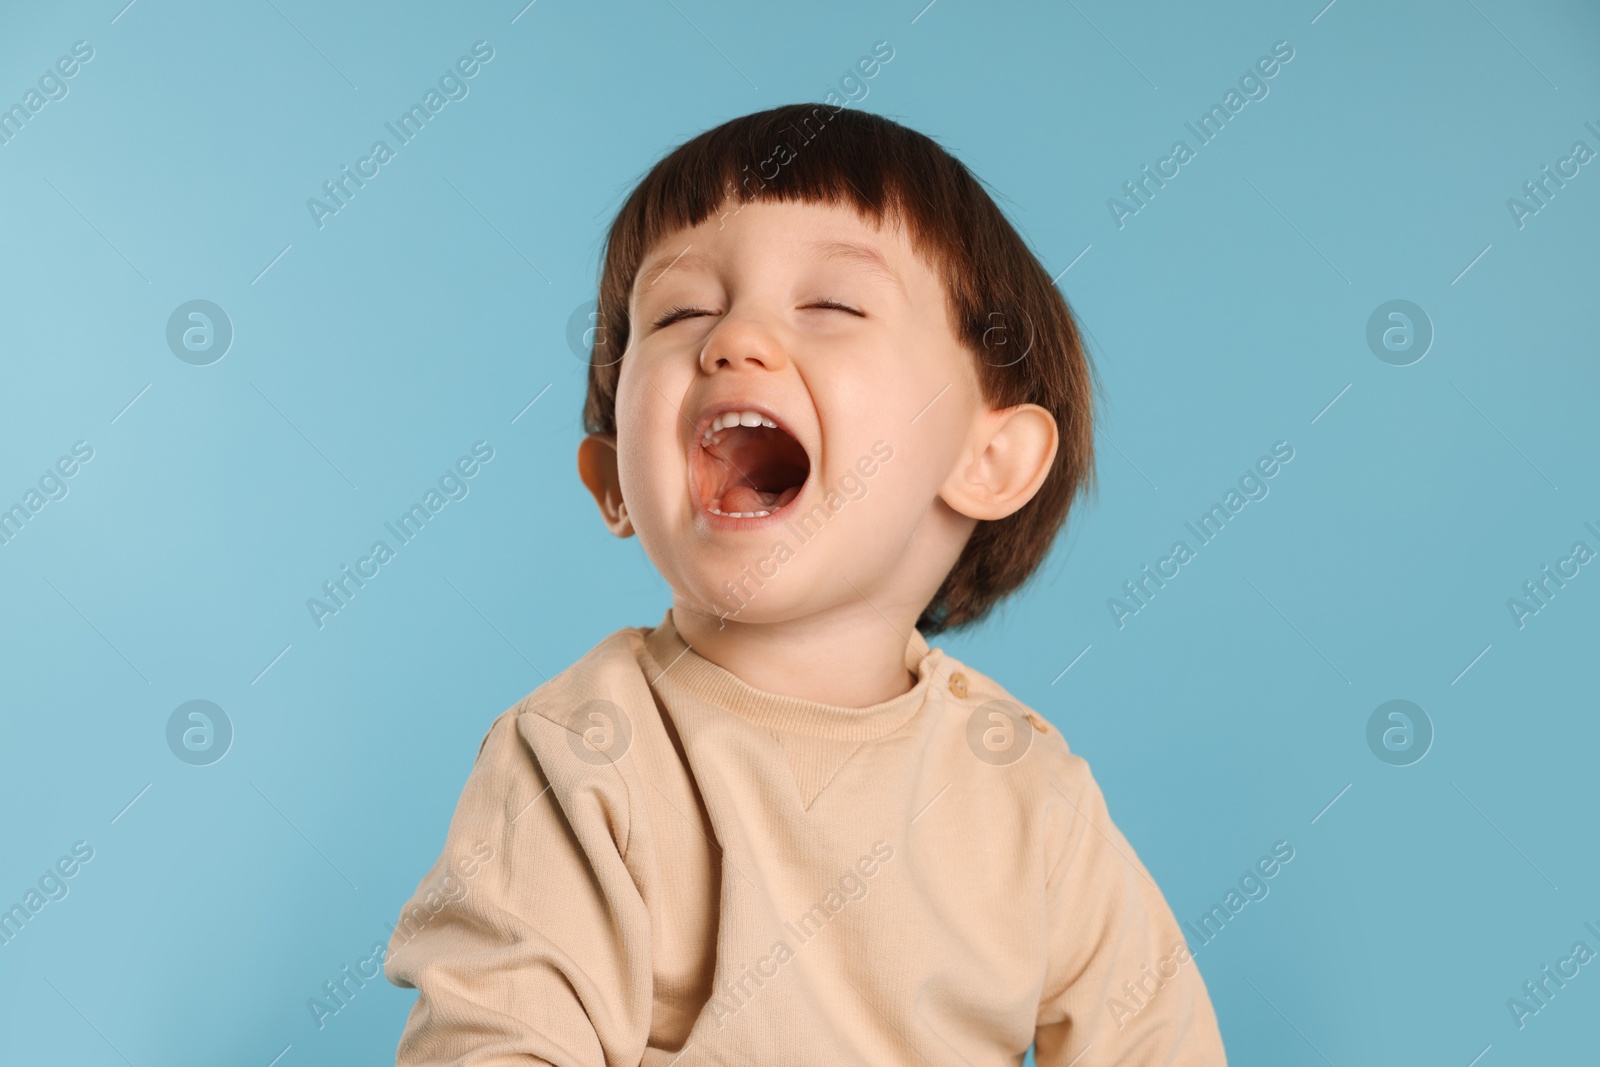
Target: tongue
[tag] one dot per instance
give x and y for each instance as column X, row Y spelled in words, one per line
column 748, row 498
column 745, row 498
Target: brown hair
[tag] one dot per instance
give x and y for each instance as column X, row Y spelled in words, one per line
column 998, row 296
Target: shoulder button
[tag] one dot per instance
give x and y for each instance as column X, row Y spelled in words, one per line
column 958, row 684
column 1039, row 722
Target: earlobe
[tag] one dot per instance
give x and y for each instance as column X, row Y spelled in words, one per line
column 1009, row 457
column 597, row 466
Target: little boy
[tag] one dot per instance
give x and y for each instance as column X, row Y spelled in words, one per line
column 843, row 407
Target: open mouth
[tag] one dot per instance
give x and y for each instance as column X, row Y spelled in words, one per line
column 746, row 466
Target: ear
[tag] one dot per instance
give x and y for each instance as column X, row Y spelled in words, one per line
column 1008, row 456
column 597, row 466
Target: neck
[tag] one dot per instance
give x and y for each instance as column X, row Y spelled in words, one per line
column 850, row 656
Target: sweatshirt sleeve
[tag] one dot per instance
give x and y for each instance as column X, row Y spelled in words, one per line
column 528, row 941
column 1121, row 987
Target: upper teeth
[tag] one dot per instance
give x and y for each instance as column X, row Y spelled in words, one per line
column 736, row 418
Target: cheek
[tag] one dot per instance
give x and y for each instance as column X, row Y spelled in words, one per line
column 649, row 459
column 898, row 495
column 909, row 404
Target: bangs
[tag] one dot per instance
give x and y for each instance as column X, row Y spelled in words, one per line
column 786, row 154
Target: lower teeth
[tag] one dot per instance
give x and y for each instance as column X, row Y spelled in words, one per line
column 740, row 514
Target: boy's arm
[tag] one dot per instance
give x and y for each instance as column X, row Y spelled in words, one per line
column 528, row 942
column 1121, row 987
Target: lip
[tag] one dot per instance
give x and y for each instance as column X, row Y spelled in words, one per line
column 729, row 522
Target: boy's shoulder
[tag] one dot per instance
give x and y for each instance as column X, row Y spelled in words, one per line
column 1002, row 729
column 1050, row 788
column 605, row 681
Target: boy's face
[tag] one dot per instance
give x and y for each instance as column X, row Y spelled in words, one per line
column 864, row 408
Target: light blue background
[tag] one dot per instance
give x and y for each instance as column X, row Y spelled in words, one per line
column 1224, row 317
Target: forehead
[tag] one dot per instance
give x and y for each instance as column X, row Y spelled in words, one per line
column 807, row 231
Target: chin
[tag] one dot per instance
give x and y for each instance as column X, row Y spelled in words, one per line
column 742, row 596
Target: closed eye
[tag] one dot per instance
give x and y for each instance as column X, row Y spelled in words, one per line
column 672, row 315
column 836, row 306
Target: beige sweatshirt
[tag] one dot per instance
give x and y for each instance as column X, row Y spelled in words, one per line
column 654, row 863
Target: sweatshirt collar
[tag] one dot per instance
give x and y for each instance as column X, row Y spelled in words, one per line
column 677, row 667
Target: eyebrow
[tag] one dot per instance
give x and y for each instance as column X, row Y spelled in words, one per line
column 847, row 251
column 862, row 254
column 660, row 267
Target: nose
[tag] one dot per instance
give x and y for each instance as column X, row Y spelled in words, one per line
column 741, row 343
